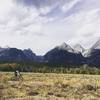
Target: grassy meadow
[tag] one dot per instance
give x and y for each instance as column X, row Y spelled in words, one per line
column 49, row 86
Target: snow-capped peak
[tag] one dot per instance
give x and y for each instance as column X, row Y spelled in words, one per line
column 87, row 52
column 78, row 48
column 96, row 45
column 66, row 47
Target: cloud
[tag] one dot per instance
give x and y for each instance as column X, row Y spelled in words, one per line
column 69, row 5
column 43, row 24
column 47, row 7
column 40, row 3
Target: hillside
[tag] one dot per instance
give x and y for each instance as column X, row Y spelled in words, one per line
column 63, row 54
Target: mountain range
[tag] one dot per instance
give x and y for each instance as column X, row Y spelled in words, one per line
column 62, row 54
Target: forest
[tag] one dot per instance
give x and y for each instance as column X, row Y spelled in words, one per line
column 40, row 67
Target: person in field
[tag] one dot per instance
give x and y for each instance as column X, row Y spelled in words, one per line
column 18, row 76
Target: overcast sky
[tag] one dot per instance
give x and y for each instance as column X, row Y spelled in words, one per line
column 43, row 24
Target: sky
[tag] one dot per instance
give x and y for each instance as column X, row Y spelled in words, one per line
column 43, row 24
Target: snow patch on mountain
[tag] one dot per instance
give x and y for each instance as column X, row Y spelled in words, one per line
column 96, row 45
column 65, row 47
column 78, row 49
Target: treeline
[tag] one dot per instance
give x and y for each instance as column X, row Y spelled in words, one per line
column 48, row 68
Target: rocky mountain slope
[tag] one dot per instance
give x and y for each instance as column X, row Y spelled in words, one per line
column 62, row 54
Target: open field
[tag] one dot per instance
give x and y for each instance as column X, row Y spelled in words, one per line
column 49, row 86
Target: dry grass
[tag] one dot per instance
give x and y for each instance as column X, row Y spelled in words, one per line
column 49, row 86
